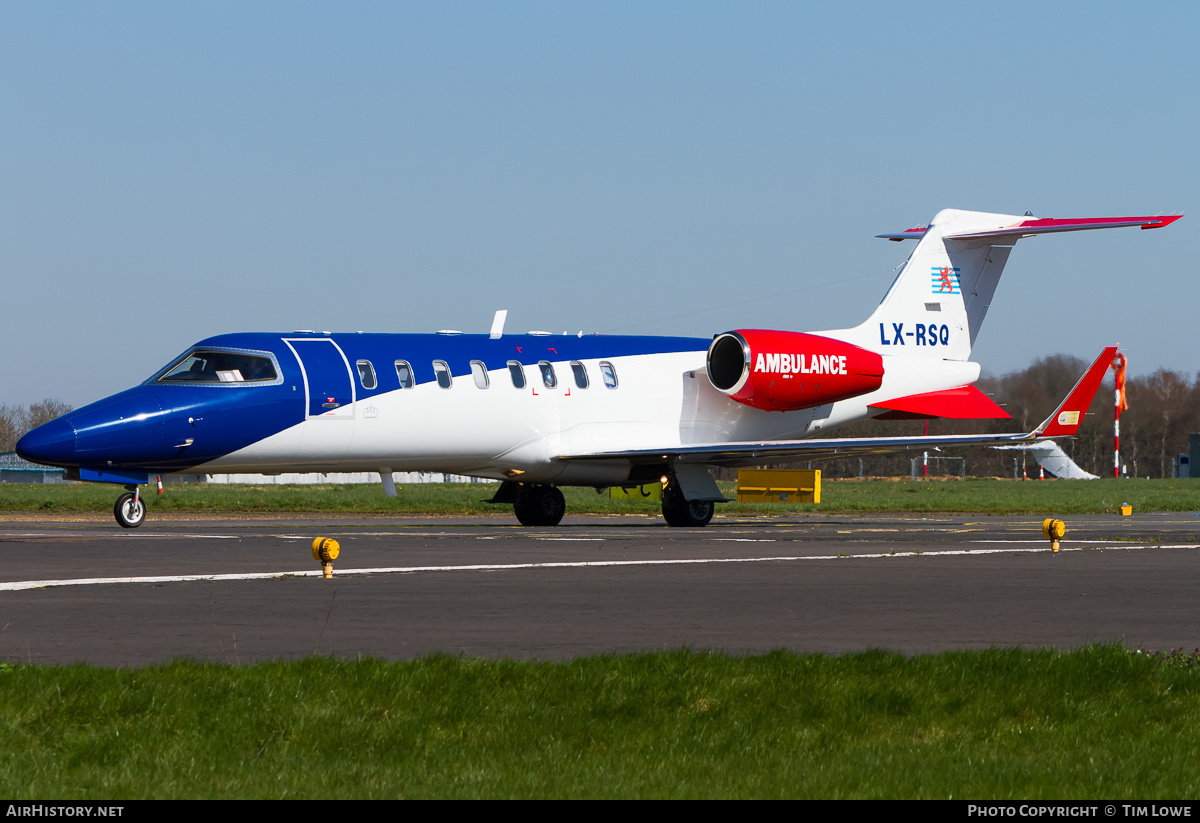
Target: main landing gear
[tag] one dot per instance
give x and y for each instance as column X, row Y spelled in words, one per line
column 539, row 506
column 129, row 510
column 685, row 513
column 534, row 505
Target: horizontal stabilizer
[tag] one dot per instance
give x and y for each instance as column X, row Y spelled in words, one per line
column 915, row 233
column 1048, row 225
column 963, row 403
column 1028, row 228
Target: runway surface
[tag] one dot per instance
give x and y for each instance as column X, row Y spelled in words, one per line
column 244, row 590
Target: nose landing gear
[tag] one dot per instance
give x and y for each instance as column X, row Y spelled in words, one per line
column 129, row 509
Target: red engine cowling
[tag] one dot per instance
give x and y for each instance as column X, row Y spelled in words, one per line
column 784, row 370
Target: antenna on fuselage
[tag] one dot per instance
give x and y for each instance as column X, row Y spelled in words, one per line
column 498, row 323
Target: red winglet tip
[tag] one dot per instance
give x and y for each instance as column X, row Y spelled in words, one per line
column 1165, row 221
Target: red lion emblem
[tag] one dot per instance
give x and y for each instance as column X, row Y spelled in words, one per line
column 946, row 284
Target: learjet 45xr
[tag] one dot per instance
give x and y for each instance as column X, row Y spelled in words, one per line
column 538, row 412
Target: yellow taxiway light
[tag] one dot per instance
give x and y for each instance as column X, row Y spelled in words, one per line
column 325, row 550
column 1053, row 530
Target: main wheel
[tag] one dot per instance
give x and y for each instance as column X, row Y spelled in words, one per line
column 540, row 506
column 130, row 511
column 685, row 513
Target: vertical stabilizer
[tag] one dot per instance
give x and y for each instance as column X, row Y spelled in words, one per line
column 939, row 299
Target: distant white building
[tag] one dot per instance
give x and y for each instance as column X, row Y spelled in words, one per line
column 314, row 478
column 15, row 470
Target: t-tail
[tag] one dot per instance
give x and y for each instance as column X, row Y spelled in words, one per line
column 937, row 303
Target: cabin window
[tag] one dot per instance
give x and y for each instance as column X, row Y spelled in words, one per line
column 518, row 374
column 404, row 374
column 200, row 366
column 366, row 374
column 548, row 374
column 580, row 371
column 442, row 371
column 609, row 374
column 479, row 372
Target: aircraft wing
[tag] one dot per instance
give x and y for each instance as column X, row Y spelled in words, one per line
column 1063, row 422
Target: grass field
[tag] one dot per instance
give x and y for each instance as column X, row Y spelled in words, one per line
column 983, row 496
column 1101, row 722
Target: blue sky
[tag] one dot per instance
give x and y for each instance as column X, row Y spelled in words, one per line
column 171, row 171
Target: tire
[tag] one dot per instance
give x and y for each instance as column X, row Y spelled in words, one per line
column 540, row 506
column 682, row 513
column 129, row 511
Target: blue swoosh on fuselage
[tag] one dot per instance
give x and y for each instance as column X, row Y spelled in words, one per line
column 145, row 428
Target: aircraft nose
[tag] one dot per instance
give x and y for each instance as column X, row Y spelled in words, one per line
column 51, row 444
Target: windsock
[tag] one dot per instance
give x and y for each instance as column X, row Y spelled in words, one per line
column 1118, row 366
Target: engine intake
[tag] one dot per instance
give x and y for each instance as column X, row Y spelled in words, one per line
column 785, row 371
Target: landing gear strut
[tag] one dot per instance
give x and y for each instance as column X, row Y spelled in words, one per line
column 685, row 513
column 539, row 505
column 129, row 510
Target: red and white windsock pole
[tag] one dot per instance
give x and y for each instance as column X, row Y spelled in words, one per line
column 1118, row 366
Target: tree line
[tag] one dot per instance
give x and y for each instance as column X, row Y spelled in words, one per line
column 15, row 421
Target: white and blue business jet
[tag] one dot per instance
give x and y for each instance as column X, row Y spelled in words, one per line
column 539, row 411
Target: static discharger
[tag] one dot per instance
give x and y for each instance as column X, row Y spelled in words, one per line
column 325, row 551
column 1053, row 530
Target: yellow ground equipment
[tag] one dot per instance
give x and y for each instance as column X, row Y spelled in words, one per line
column 779, row 486
column 650, row 491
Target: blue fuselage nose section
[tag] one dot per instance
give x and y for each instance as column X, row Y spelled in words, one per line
column 162, row 429
column 51, row 444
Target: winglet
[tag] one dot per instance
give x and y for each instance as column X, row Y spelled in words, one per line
column 1065, row 420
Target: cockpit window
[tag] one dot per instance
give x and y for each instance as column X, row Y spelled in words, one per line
column 201, row 366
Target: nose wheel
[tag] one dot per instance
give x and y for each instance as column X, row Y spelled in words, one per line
column 129, row 510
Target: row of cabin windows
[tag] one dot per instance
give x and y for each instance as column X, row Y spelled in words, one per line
column 441, row 370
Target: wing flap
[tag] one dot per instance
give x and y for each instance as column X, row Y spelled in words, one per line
column 734, row 455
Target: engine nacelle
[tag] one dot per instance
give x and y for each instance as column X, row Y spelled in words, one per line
column 784, row 370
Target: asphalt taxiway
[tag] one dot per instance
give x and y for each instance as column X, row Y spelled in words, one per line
column 244, row 590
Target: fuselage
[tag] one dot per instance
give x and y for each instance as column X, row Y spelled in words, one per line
column 496, row 407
